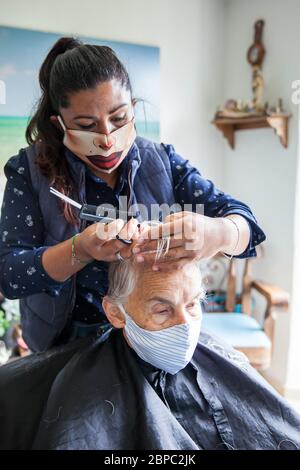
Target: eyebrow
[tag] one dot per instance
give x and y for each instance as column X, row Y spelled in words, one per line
column 169, row 302
column 85, row 116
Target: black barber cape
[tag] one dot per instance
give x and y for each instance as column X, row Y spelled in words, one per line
column 98, row 394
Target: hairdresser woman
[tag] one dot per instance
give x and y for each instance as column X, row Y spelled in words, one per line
column 82, row 141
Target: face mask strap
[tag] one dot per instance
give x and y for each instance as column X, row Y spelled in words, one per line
column 61, row 122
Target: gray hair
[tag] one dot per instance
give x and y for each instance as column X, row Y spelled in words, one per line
column 122, row 274
column 122, row 278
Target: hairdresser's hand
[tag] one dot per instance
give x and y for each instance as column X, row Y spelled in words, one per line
column 98, row 241
column 192, row 236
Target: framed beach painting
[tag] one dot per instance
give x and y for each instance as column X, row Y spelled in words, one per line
column 22, row 52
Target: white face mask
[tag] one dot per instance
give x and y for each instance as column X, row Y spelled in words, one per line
column 100, row 151
column 170, row 349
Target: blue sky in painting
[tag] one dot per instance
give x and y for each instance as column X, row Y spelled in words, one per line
column 22, row 52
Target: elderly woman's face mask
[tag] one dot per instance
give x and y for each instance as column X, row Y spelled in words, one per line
column 102, row 152
column 170, row 349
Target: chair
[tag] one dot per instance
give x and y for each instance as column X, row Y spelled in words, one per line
column 234, row 321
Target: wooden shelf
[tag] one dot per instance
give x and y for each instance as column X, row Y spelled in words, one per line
column 278, row 122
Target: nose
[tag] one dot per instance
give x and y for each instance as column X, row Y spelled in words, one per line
column 182, row 317
column 106, row 143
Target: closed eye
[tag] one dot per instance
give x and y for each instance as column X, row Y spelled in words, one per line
column 162, row 310
column 90, row 126
column 161, row 316
column 118, row 119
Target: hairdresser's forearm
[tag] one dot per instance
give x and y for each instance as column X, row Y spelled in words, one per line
column 58, row 262
column 236, row 237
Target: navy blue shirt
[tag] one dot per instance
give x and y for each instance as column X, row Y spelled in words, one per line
column 22, row 230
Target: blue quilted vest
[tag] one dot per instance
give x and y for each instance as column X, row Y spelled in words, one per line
column 43, row 316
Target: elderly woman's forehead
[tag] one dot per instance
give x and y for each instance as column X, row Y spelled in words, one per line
column 149, row 279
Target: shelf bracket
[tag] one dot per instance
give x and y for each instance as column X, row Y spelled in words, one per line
column 280, row 127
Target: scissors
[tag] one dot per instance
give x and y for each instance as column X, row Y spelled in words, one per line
column 96, row 213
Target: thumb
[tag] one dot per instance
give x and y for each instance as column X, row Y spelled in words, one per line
column 109, row 231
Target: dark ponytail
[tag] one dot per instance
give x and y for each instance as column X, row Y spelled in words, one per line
column 70, row 66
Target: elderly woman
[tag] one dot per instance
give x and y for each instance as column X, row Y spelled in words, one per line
column 149, row 384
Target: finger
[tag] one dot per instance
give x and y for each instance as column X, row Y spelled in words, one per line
column 188, row 228
column 146, row 225
column 108, row 251
column 129, row 229
column 109, row 231
column 152, row 245
column 163, row 230
column 175, row 215
column 173, row 253
column 137, row 232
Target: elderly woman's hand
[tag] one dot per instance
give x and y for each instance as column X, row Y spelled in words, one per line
column 192, row 236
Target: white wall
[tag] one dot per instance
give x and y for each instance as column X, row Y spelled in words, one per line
column 189, row 34
column 260, row 171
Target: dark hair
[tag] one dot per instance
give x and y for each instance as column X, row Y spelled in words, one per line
column 70, row 66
